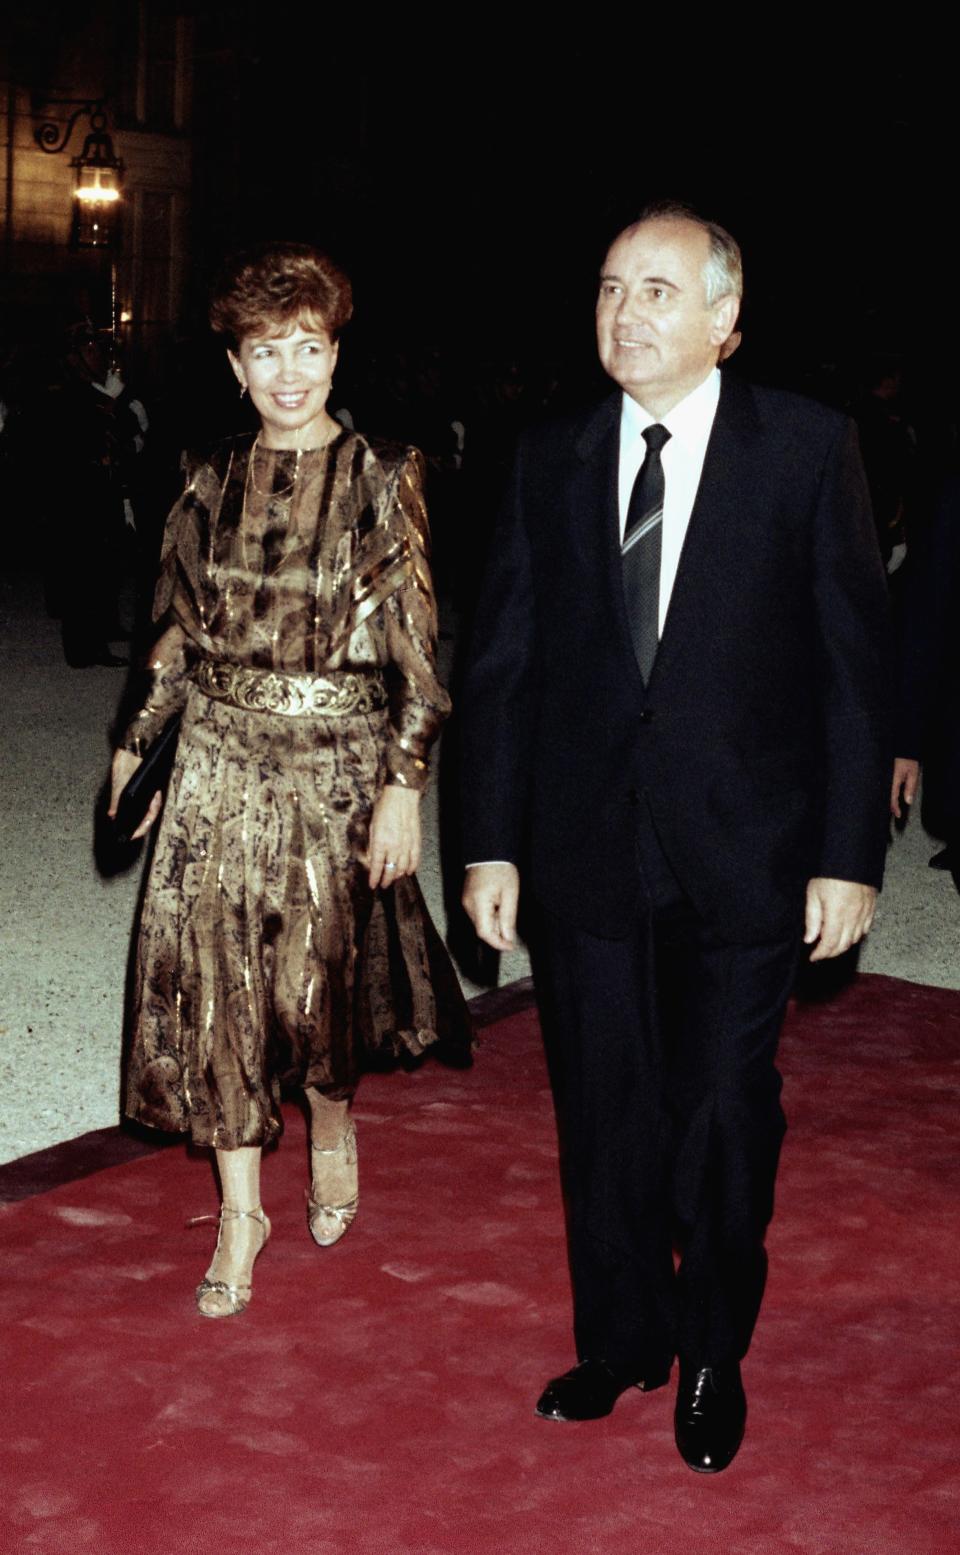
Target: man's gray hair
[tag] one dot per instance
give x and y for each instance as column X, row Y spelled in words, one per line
column 723, row 271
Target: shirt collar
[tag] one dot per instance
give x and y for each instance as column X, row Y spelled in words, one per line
column 689, row 420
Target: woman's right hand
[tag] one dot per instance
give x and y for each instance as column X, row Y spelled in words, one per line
column 125, row 764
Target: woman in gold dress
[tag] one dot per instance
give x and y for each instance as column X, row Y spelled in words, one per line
column 282, row 933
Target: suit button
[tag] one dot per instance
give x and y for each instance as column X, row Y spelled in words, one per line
column 646, row 717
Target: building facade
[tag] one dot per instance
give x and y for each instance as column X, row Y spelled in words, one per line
column 133, row 64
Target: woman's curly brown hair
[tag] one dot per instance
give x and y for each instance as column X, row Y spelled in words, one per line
column 272, row 288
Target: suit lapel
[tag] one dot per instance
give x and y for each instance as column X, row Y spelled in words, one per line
column 718, row 506
column 593, row 494
column 595, row 499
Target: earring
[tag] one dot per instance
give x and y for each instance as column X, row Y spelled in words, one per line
column 243, row 390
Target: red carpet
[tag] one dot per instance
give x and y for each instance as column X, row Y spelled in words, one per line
column 378, row 1397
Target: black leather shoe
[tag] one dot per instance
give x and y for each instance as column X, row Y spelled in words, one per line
column 710, row 1416
column 591, row 1388
column 947, row 858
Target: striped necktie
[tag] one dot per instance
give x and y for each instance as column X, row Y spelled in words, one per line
column 641, row 552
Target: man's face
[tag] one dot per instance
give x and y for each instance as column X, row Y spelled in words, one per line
column 656, row 335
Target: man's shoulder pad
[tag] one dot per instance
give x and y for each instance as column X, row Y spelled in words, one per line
column 784, row 404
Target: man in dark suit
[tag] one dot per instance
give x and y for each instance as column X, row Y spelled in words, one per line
column 674, row 715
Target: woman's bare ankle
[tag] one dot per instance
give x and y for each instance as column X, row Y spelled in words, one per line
column 328, row 1121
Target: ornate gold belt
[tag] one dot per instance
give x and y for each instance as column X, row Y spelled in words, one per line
column 270, row 691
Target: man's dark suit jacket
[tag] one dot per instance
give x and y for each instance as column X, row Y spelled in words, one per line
column 761, row 741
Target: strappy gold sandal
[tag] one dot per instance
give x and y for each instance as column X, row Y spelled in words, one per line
column 237, row 1295
column 329, row 1222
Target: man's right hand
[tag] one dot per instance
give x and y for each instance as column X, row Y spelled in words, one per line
column 491, row 893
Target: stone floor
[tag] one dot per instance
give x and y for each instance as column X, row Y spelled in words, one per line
column 65, row 927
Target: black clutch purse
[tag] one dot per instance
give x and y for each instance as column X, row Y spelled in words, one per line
column 152, row 773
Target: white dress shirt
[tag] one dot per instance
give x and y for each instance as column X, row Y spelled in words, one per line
column 689, row 424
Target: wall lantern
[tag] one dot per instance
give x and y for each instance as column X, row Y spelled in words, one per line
column 96, row 192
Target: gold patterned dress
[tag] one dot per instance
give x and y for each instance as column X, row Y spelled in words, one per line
column 300, row 654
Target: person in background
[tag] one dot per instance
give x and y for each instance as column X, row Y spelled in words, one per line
column 102, row 430
column 927, row 725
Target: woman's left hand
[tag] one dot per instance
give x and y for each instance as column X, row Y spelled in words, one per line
column 125, row 764
column 394, row 847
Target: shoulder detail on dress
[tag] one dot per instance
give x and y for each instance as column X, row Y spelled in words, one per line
column 391, row 455
column 193, row 461
column 218, row 458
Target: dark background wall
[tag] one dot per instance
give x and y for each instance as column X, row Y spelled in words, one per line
column 471, row 188
column 469, row 175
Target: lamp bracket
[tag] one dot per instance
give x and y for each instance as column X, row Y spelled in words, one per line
column 53, row 135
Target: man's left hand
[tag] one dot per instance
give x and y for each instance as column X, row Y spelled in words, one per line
column 838, row 914
column 906, row 779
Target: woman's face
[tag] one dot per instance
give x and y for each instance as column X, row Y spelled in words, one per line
column 288, row 376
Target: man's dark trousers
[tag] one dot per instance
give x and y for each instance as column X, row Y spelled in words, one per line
column 670, row 1121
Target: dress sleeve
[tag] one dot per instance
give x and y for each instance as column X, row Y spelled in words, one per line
column 166, row 669
column 418, row 702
